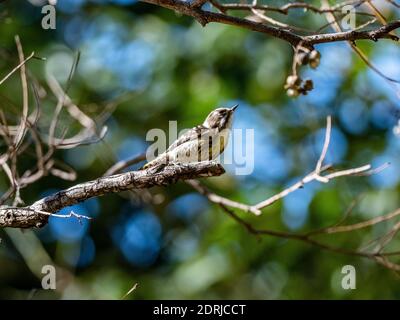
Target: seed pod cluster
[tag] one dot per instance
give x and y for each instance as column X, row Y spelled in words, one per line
column 311, row 58
column 295, row 86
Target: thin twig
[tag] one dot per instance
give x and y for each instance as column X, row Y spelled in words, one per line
column 130, row 291
column 123, row 164
column 23, row 125
column 325, row 146
column 17, row 67
column 315, row 175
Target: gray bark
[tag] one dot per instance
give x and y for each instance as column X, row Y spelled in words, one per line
column 37, row 214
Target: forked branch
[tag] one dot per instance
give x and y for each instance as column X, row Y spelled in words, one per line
column 316, row 175
column 37, row 214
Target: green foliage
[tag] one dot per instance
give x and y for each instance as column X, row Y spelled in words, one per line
column 177, row 70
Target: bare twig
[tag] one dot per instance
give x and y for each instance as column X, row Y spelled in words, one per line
column 380, row 257
column 316, row 174
column 27, row 217
column 284, row 9
column 123, row 164
column 336, row 26
column 17, row 67
column 205, row 17
column 23, row 125
column 212, row 197
column 130, row 291
column 325, row 146
column 260, row 14
column 393, row 2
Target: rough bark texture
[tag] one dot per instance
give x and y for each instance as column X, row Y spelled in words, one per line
column 204, row 17
column 37, row 214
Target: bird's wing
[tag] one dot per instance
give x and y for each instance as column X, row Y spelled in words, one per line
column 192, row 134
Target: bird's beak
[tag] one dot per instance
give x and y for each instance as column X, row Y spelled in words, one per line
column 234, row 107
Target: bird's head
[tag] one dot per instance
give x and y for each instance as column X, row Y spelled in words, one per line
column 220, row 118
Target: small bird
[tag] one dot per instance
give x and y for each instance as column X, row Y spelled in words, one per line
column 204, row 142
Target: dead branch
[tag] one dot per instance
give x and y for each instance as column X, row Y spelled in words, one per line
column 302, row 40
column 284, row 9
column 377, row 254
column 17, row 67
column 315, row 175
column 123, row 164
column 309, row 238
column 204, row 17
column 32, row 216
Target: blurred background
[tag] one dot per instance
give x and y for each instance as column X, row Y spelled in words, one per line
column 141, row 66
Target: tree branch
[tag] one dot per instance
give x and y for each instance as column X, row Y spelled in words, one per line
column 315, row 175
column 123, row 164
column 38, row 213
column 204, row 17
column 198, row 3
column 284, row 9
column 352, row 35
column 378, row 256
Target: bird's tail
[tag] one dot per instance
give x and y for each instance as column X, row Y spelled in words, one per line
column 159, row 160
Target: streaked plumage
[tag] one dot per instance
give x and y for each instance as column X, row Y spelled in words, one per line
column 203, row 142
